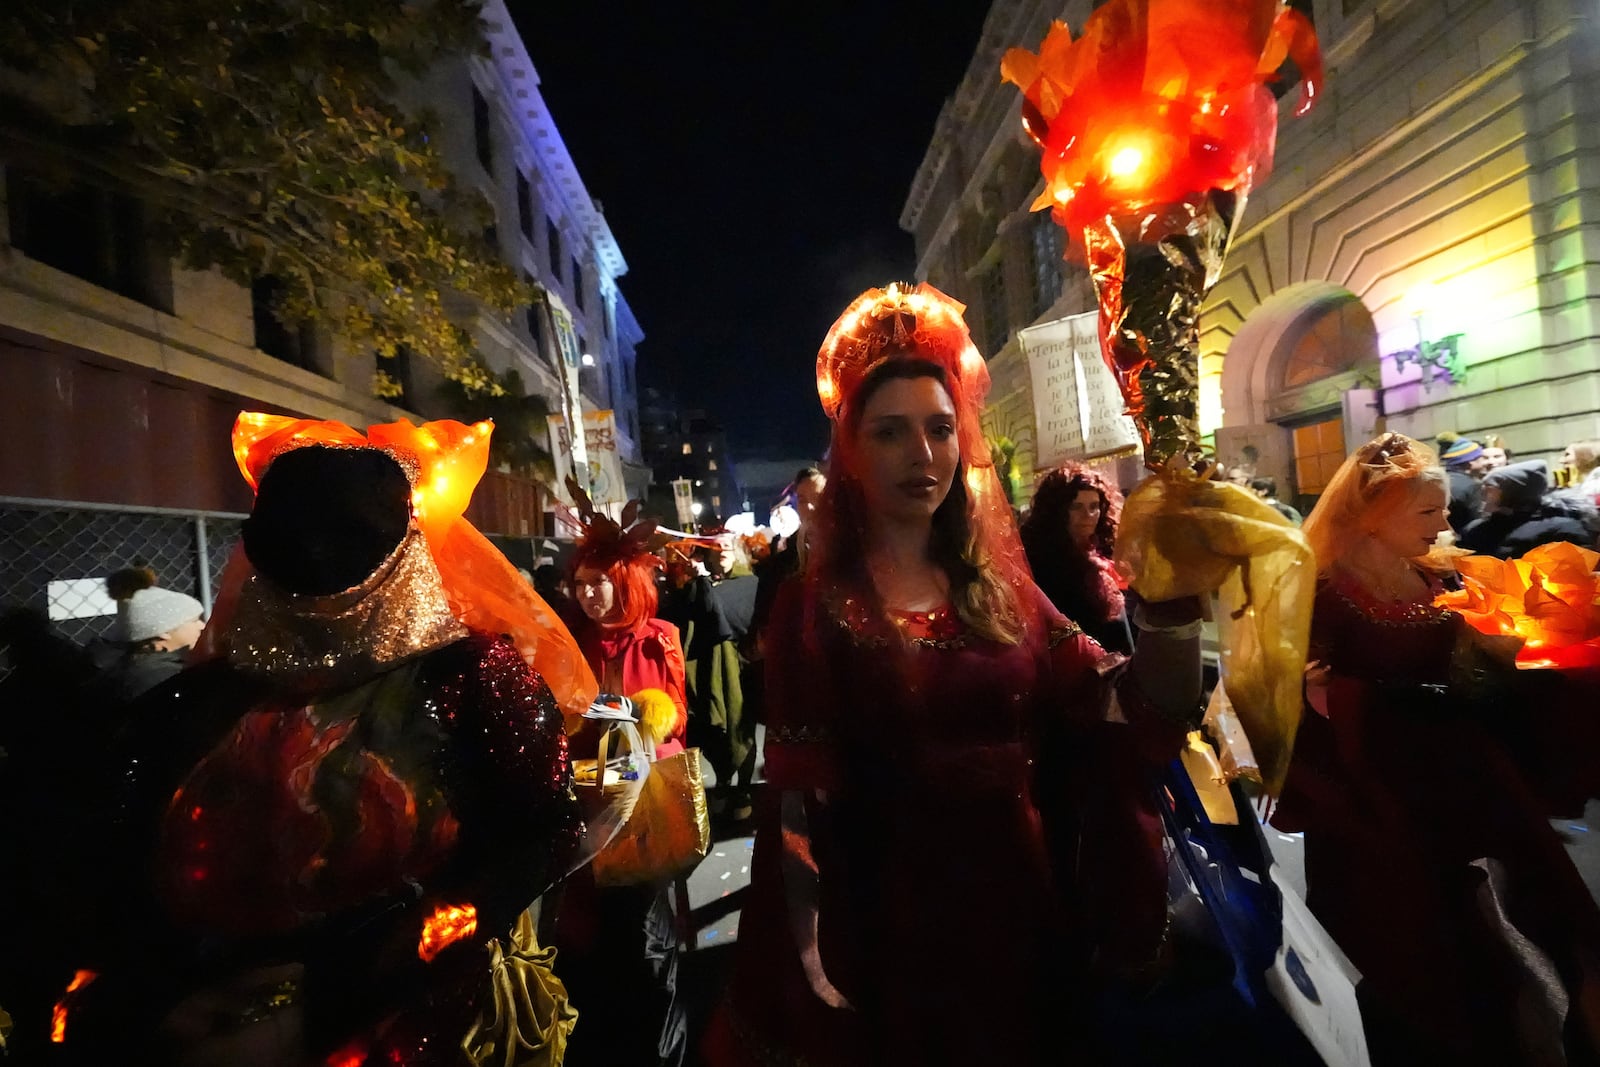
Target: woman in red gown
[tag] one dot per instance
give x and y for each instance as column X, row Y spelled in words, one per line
column 1428, row 854
column 947, row 844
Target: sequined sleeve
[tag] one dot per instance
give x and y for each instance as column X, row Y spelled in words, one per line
column 800, row 741
column 511, row 776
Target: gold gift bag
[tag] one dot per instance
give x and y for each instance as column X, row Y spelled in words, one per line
column 669, row 830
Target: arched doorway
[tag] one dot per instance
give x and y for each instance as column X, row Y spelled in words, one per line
column 1299, row 381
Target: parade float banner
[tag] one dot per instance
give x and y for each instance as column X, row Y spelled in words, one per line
column 571, row 367
column 1077, row 409
column 601, row 459
column 683, row 498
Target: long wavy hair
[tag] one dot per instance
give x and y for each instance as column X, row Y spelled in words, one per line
column 1066, row 573
column 960, row 544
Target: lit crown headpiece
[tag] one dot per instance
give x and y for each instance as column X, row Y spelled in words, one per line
column 915, row 321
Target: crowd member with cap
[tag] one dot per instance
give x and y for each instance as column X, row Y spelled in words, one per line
column 1457, row 455
column 154, row 631
column 1520, row 513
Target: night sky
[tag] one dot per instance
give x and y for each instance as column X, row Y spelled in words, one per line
column 753, row 168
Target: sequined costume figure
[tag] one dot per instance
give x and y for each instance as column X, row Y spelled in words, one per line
column 949, row 844
column 1429, row 856
column 330, row 830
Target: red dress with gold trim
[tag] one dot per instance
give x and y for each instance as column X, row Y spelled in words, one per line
column 1403, row 790
column 947, row 918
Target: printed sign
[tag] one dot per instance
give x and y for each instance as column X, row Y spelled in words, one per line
column 1077, row 407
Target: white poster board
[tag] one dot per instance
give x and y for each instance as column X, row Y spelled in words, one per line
column 601, row 461
column 1077, row 407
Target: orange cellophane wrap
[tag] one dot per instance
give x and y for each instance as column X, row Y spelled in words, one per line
column 1182, row 535
column 1550, row 598
column 1158, row 100
column 444, row 461
column 1153, row 128
column 919, row 323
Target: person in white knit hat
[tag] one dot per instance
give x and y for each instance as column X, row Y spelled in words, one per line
column 155, row 629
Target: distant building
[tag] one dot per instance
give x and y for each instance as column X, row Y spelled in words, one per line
column 1423, row 257
column 689, row 444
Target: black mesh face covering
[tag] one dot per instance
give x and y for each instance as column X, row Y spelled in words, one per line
column 326, row 517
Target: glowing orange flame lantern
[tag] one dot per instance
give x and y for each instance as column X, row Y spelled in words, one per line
column 1550, row 598
column 448, row 924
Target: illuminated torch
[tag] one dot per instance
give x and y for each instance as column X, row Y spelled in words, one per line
column 1153, row 126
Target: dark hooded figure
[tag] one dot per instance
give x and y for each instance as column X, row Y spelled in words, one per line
column 1521, row 514
column 325, row 827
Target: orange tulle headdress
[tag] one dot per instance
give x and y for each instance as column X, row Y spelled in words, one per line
column 443, row 461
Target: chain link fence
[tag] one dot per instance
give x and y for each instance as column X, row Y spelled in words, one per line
column 55, row 556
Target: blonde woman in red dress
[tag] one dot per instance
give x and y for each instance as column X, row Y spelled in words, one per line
column 938, row 863
column 1428, row 854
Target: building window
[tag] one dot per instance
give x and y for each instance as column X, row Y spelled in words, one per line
column 399, row 368
column 482, row 135
column 711, row 465
column 491, row 237
column 994, row 311
column 552, row 238
column 535, row 319
column 577, row 283
column 688, row 449
column 716, row 502
column 295, row 344
column 1318, row 452
column 1048, row 248
column 605, row 318
column 524, row 206
column 90, row 233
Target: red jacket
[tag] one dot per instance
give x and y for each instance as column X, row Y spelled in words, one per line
column 646, row 657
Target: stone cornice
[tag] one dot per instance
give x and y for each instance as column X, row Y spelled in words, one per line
column 536, row 127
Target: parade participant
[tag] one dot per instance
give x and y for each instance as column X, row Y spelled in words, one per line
column 618, row 945
column 1069, row 536
column 331, row 829
column 629, row 649
column 923, row 892
column 1428, row 856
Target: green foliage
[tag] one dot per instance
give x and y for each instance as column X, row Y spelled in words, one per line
column 521, row 421
column 266, row 136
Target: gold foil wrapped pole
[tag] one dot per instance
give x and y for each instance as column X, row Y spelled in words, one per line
column 1151, row 272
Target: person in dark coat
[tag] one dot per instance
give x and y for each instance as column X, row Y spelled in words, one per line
column 1521, row 514
column 151, row 639
column 1458, row 455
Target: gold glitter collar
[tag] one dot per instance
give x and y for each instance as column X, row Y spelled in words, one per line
column 400, row 611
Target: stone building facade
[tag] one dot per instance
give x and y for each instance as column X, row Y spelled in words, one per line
column 128, row 368
column 1425, row 256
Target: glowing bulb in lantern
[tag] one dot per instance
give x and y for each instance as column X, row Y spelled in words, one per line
column 1127, row 163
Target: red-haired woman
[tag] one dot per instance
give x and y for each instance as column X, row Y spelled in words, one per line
column 1069, row 537
column 618, row 945
column 1428, row 854
column 627, row 647
column 936, row 864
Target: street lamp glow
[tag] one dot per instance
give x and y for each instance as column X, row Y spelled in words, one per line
column 696, row 508
column 588, row 360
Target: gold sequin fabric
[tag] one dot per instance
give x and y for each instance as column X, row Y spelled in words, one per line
column 399, row 612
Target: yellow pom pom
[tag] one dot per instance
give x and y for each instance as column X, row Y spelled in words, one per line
column 657, row 713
